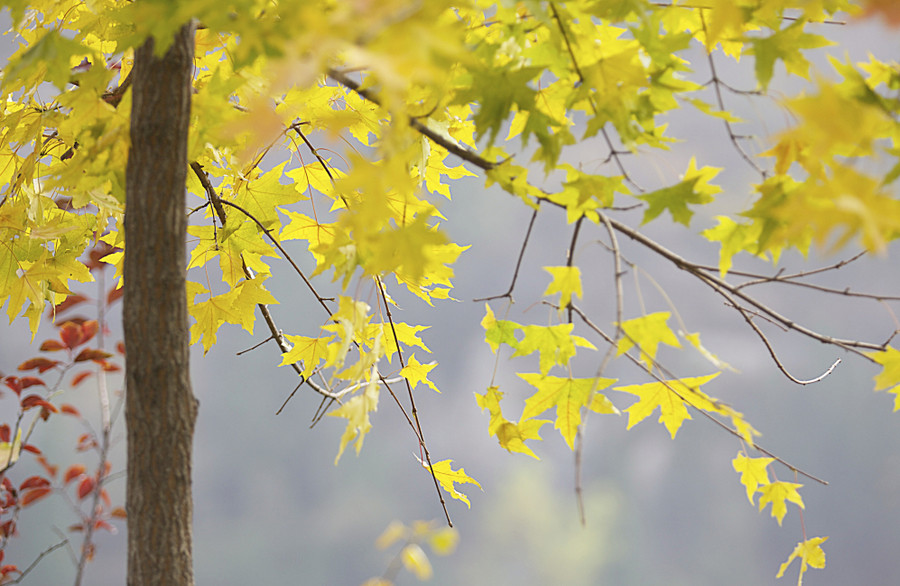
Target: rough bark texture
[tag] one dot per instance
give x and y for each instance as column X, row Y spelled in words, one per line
column 160, row 408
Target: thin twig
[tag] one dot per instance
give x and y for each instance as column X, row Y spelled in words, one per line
column 512, row 285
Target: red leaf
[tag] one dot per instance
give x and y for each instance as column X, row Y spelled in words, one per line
column 86, row 442
column 118, row 513
column 9, row 569
column 101, row 524
column 52, row 346
column 34, row 495
column 89, row 330
column 105, row 496
column 42, row 364
column 70, row 334
column 80, row 377
column 32, row 401
column 31, row 448
column 69, row 410
column 51, row 470
column 30, row 381
column 110, row 367
column 86, row 487
column 92, row 354
column 73, row 472
column 114, row 295
column 14, row 383
column 70, row 301
column 4, row 433
column 120, row 347
column 34, row 482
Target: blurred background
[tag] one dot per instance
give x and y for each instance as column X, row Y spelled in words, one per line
column 271, row 507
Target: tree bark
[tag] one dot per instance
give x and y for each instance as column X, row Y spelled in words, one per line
column 160, row 408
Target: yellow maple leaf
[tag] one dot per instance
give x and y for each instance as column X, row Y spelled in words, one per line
column 647, row 333
column 416, row 372
column 568, row 395
column 566, row 281
column 356, row 412
column 753, row 472
column 777, row 493
column 809, row 553
column 889, row 376
column 672, row 407
column 308, row 351
column 448, row 478
column 510, row 434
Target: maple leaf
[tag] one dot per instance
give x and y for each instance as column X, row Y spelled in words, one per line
column 753, row 472
column 566, row 281
column 416, row 372
column 672, row 406
column 809, row 553
column 448, row 478
column 356, row 411
column 777, row 493
column 498, row 332
column 693, row 189
column 510, row 434
column 785, row 45
column 308, row 351
column 556, row 344
column 889, row 376
column 647, row 332
column 568, row 395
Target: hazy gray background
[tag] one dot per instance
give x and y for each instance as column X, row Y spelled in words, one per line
column 272, row 509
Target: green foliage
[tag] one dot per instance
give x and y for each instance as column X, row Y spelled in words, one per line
column 279, row 85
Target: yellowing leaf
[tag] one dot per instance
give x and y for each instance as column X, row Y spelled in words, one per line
column 566, row 282
column 753, row 472
column 448, row 478
column 9, row 453
column 693, row 189
column 568, row 395
column 777, row 493
column 647, row 333
column 672, row 407
column 809, row 553
column 498, row 331
column 416, row 373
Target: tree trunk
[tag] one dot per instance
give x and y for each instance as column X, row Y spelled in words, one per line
column 160, row 408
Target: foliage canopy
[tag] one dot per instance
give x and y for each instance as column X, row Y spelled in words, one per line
column 344, row 125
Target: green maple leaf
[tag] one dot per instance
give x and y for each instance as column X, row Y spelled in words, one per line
column 784, row 45
column 693, row 189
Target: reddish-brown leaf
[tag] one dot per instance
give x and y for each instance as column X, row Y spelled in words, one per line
column 32, row 448
column 70, row 334
column 52, row 346
column 50, row 468
column 105, row 496
column 120, row 347
column 114, row 295
column 85, row 487
column 31, row 381
column 92, row 354
column 34, row 495
column 13, row 383
column 101, row 524
column 41, row 364
column 69, row 410
column 86, row 442
column 34, row 482
column 76, row 380
column 73, row 472
column 32, row 401
column 70, row 301
column 118, row 513
column 110, row 367
column 89, row 329
column 4, row 434
column 9, row 569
